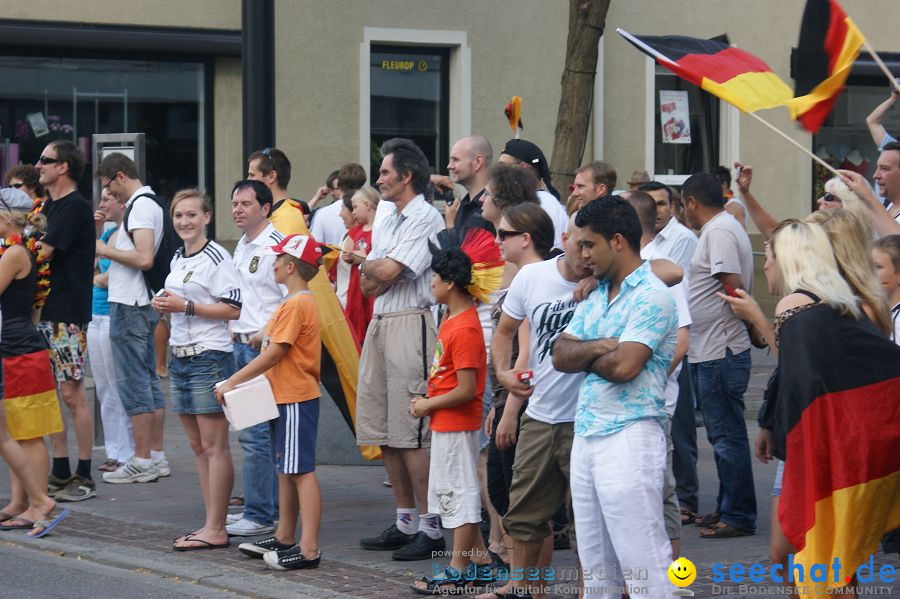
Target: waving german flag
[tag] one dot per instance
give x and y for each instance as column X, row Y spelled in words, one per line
column 732, row 74
column 837, row 426
column 829, row 44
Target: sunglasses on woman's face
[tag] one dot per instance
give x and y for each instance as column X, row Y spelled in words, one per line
column 16, row 185
column 503, row 234
column 831, row 198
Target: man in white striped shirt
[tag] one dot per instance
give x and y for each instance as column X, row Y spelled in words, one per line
column 398, row 349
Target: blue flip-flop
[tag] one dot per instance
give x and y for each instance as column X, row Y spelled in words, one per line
column 47, row 525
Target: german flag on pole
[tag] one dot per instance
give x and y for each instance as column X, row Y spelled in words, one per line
column 732, row 74
column 829, row 44
column 837, row 426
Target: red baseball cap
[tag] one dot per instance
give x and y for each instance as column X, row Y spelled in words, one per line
column 302, row 247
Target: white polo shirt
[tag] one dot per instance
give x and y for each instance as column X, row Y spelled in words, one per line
column 260, row 294
column 675, row 242
column 206, row 277
column 679, row 292
column 126, row 284
column 327, row 224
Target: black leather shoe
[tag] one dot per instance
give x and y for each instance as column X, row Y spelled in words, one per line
column 388, row 540
column 420, row 547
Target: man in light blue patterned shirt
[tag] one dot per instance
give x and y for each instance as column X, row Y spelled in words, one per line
column 623, row 336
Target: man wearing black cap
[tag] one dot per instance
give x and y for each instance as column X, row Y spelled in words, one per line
column 519, row 152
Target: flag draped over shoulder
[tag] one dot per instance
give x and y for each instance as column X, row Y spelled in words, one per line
column 829, row 44
column 837, row 426
column 732, row 74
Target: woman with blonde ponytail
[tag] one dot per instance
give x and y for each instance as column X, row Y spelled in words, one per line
column 30, row 404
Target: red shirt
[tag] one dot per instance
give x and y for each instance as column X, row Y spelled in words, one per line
column 460, row 344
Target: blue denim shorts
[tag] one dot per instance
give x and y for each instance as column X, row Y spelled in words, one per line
column 193, row 380
column 294, row 437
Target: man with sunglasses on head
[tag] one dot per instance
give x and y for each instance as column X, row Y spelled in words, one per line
column 69, row 245
column 133, row 320
column 272, row 167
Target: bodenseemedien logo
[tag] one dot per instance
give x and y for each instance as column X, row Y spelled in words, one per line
column 682, row 574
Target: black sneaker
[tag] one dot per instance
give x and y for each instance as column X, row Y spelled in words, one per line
column 260, row 548
column 291, row 559
column 77, row 489
column 421, row 547
column 388, row 540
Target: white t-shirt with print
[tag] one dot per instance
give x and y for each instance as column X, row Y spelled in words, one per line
column 540, row 294
column 126, row 284
column 206, row 277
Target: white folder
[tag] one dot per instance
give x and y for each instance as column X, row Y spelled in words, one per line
column 250, row 403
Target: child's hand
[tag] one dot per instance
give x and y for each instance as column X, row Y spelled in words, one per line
column 222, row 389
column 418, row 407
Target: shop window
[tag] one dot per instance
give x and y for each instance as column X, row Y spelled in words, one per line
column 409, row 98
column 685, row 128
column 45, row 99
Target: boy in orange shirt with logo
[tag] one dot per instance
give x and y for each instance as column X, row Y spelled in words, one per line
column 290, row 359
column 461, row 274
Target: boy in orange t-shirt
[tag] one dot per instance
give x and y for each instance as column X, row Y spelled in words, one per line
column 455, row 388
column 290, row 359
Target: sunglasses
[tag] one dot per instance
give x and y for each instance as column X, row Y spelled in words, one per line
column 503, row 234
column 266, row 152
column 45, row 160
column 17, row 185
column 831, row 198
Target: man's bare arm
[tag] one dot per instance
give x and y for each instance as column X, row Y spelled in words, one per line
column 379, row 275
column 622, row 364
column 876, row 118
column 574, row 355
column 140, row 257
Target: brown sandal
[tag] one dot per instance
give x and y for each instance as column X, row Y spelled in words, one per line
column 688, row 517
column 721, row 530
column 708, row 520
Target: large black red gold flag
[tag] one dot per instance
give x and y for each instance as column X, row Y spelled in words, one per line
column 837, row 427
column 732, row 74
column 829, row 44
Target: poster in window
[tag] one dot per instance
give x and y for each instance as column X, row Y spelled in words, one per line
column 675, row 117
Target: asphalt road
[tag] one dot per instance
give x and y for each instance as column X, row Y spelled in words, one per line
column 29, row 574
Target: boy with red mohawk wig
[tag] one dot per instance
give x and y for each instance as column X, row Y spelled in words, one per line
column 463, row 272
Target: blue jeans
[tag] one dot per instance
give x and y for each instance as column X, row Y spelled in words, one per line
column 720, row 387
column 193, row 381
column 131, row 331
column 260, row 480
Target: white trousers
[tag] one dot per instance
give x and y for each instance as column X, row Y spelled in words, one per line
column 617, row 497
column 117, row 436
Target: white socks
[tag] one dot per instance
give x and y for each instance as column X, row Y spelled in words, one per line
column 408, row 520
column 430, row 524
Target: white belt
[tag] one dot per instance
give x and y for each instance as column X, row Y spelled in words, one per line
column 186, row 351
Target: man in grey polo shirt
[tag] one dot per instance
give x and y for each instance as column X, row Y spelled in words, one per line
column 398, row 349
column 719, row 351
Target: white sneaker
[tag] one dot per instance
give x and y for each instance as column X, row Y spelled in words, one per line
column 163, row 467
column 132, row 472
column 232, row 518
column 248, row 528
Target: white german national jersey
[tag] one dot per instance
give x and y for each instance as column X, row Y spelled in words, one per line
column 206, row 277
column 260, row 294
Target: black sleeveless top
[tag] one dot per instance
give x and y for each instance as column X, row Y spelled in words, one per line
column 19, row 335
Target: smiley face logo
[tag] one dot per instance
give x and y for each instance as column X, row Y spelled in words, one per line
column 682, row 572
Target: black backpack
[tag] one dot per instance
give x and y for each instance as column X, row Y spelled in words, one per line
column 155, row 277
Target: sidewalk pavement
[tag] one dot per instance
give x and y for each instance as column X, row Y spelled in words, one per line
column 132, row 526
